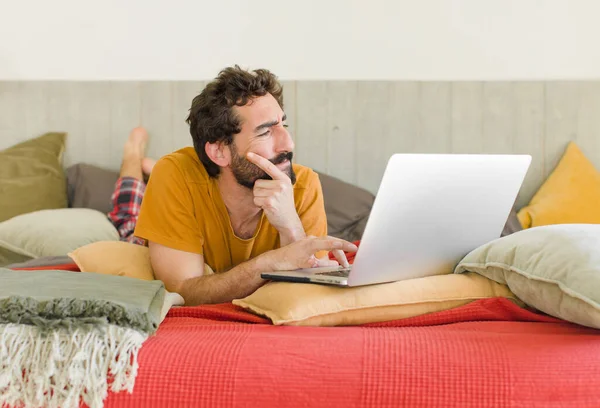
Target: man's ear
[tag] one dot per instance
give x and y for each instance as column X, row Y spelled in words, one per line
column 218, row 153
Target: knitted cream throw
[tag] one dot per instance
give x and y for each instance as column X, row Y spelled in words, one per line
column 68, row 337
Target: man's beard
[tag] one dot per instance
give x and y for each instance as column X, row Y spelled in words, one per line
column 246, row 173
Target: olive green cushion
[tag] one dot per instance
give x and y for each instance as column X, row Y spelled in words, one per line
column 32, row 177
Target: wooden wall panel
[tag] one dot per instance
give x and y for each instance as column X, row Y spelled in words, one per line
column 157, row 116
column 563, row 104
column 183, row 93
column 467, row 117
column 289, row 106
column 312, row 124
column 11, row 119
column 528, row 128
column 348, row 129
column 125, row 114
column 435, row 118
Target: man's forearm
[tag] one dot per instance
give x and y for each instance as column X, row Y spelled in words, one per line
column 236, row 283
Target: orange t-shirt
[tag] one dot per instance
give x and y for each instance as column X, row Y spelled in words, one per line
column 183, row 209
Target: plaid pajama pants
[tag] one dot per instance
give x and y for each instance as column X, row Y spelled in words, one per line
column 126, row 203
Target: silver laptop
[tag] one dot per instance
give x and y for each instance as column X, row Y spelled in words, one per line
column 430, row 211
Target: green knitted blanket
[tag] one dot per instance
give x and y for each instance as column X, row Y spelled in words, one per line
column 68, row 337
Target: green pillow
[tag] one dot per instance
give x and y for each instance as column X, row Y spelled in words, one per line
column 553, row 268
column 32, row 177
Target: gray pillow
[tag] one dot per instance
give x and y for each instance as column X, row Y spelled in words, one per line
column 91, row 187
column 347, row 207
column 44, row 261
column 512, row 224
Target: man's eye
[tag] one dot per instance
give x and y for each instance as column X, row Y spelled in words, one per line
column 265, row 134
column 285, row 125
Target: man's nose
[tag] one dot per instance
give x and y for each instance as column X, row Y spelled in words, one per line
column 285, row 143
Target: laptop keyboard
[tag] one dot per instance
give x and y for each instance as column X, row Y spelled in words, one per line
column 344, row 273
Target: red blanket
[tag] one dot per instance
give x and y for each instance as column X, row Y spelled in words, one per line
column 487, row 353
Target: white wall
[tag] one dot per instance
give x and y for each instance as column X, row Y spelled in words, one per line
column 300, row 39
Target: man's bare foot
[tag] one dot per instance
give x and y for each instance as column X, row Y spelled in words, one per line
column 147, row 165
column 136, row 143
column 133, row 153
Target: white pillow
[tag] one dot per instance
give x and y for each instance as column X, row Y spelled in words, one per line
column 53, row 232
column 554, row 268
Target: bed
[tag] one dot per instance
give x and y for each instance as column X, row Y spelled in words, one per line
column 487, row 353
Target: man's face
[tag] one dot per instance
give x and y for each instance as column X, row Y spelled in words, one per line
column 264, row 133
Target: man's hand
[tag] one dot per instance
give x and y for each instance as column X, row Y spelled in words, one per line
column 276, row 198
column 301, row 254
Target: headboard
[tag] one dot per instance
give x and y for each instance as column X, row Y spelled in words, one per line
column 347, row 129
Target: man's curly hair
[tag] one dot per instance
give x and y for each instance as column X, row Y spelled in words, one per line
column 212, row 118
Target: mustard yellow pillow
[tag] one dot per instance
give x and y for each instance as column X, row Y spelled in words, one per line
column 303, row 304
column 570, row 195
column 117, row 258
